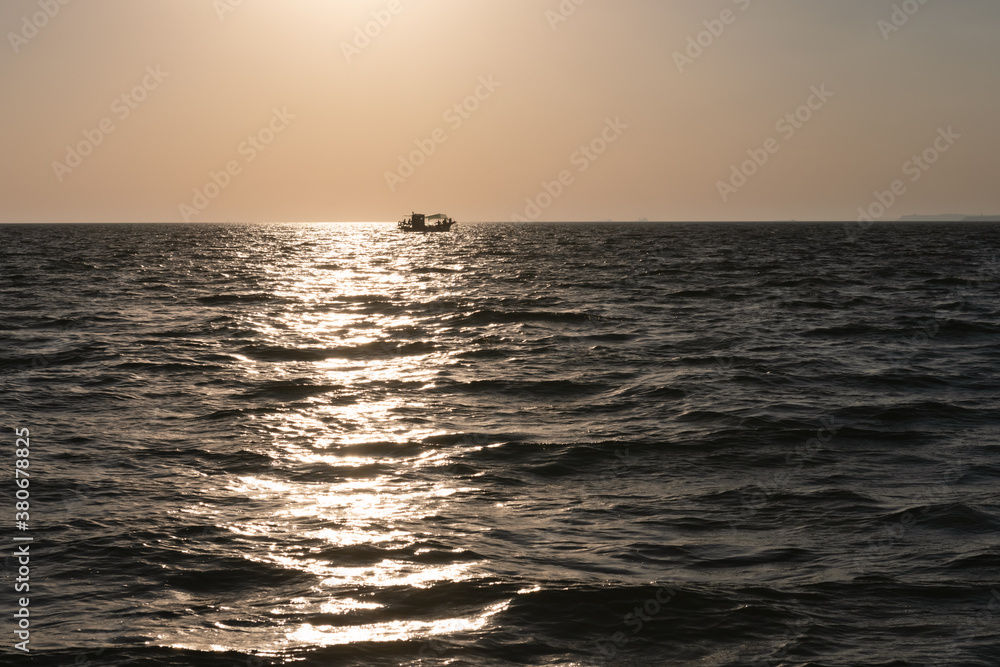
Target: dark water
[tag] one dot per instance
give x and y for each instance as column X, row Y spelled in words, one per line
column 709, row 445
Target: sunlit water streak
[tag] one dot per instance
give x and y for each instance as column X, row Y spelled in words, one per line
column 552, row 444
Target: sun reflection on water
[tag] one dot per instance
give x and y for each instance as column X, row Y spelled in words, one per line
column 347, row 491
column 391, row 630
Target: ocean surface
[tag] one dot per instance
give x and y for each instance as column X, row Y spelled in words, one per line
column 578, row 444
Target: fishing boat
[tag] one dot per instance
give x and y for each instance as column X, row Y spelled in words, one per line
column 417, row 222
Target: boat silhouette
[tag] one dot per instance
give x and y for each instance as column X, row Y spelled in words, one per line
column 417, row 222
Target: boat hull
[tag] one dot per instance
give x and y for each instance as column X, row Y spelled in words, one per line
column 427, row 230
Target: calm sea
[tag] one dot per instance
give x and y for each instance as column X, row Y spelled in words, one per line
column 618, row 444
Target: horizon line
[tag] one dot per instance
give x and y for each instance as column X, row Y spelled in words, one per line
column 920, row 218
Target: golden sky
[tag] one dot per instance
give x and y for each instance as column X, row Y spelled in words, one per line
column 550, row 110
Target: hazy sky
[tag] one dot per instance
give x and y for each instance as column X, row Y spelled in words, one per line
column 121, row 110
